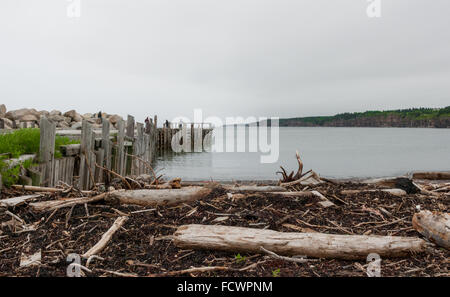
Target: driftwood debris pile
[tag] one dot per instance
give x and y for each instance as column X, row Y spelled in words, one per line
column 304, row 226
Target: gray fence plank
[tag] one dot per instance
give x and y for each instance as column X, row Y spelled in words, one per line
column 121, row 148
column 47, row 150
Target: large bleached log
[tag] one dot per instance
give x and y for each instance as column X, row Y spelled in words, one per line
column 56, row 204
column 318, row 245
column 11, row 202
column 99, row 246
column 434, row 226
column 160, row 197
column 395, row 192
column 232, row 188
column 432, row 175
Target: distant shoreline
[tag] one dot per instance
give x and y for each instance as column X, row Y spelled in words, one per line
column 402, row 118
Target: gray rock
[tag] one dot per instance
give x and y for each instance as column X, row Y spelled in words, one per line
column 56, row 118
column 87, row 116
column 29, row 118
column 8, row 123
column 75, row 116
column 114, row 119
column 16, row 114
column 76, row 126
column 63, row 124
column 55, row 112
column 44, row 113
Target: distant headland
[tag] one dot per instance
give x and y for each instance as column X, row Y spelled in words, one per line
column 412, row 118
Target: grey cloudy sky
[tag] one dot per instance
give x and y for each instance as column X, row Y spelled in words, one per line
column 229, row 57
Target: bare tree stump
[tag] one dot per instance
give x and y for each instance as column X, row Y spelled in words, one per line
column 434, row 226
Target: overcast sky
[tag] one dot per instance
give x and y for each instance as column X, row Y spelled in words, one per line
column 229, row 57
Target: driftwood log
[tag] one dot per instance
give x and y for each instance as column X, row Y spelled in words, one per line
column 318, row 245
column 11, row 202
column 232, row 188
column 57, row 204
column 433, row 225
column 395, row 192
column 402, row 183
column 160, row 197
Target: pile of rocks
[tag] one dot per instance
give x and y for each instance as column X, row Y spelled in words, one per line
column 26, row 118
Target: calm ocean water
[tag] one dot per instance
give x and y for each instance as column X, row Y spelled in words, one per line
column 331, row 152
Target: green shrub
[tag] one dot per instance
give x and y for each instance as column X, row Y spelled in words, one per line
column 10, row 176
column 20, row 142
column 27, row 141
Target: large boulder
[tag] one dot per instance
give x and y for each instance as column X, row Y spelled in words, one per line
column 8, row 123
column 29, row 118
column 114, row 119
column 16, row 114
column 63, row 125
column 56, row 118
column 87, row 116
column 44, row 113
column 76, row 126
column 55, row 112
column 2, row 110
column 75, row 116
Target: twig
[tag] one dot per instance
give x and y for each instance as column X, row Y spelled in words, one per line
column 122, row 274
column 273, row 255
column 92, row 258
column 99, row 246
column 115, row 174
column 147, row 164
column 192, row 270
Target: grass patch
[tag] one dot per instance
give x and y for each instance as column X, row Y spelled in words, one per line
column 20, row 142
column 26, row 141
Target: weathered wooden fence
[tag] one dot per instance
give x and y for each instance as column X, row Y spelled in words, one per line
column 129, row 150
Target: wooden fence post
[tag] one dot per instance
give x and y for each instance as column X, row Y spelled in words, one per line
column 106, row 144
column 121, row 148
column 130, row 127
column 87, row 165
column 47, row 150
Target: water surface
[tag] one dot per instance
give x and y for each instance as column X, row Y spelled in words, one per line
column 331, row 152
